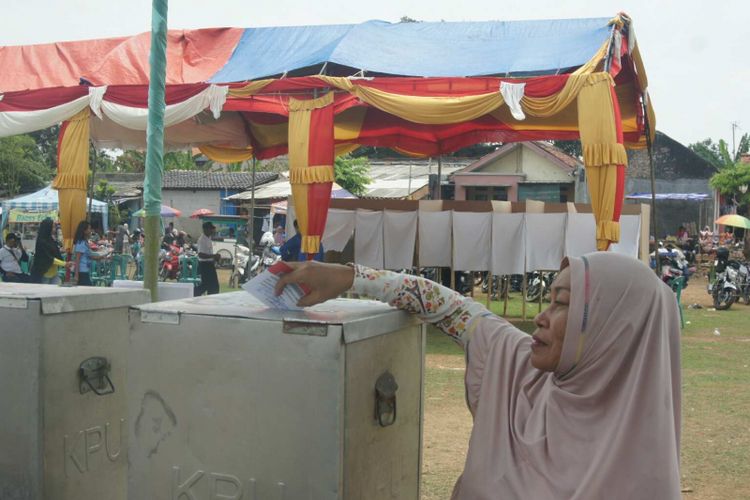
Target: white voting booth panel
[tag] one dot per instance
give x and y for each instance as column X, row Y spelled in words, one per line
column 165, row 290
column 59, row 440
column 237, row 401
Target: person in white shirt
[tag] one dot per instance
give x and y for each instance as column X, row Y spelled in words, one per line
column 207, row 262
column 11, row 256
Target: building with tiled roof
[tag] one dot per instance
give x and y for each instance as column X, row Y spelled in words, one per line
column 520, row 171
column 199, row 179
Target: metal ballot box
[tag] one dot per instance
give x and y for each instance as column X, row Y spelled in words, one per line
column 232, row 400
column 63, row 357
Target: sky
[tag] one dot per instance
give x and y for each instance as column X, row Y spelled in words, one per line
column 695, row 51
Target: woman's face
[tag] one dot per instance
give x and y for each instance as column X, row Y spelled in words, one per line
column 87, row 232
column 547, row 342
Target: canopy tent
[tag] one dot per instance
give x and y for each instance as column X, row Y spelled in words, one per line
column 46, row 200
column 670, row 196
column 422, row 88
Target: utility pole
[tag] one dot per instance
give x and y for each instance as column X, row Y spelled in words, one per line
column 735, row 126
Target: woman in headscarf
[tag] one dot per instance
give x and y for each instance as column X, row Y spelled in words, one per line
column 47, row 257
column 588, row 407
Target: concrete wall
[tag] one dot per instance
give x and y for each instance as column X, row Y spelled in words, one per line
column 671, row 214
column 188, row 201
column 537, row 167
column 479, row 179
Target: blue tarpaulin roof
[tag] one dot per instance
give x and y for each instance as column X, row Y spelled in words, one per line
column 670, row 196
column 419, row 49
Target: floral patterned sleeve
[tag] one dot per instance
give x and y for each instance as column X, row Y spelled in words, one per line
column 433, row 303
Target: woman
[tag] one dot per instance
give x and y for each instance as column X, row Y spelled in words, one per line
column 47, row 257
column 83, row 253
column 588, row 407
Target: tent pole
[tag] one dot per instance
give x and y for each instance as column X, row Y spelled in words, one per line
column 251, row 242
column 155, row 144
column 650, row 148
column 91, row 188
column 440, row 179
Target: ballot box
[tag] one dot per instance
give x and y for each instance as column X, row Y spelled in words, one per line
column 63, row 420
column 230, row 399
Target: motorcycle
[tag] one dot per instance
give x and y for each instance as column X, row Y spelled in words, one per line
column 538, row 283
column 239, row 269
column 265, row 255
column 731, row 282
column 169, row 268
column 674, row 265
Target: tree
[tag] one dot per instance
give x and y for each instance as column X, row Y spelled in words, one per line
column 717, row 154
column 22, row 167
column 352, row 174
column 46, row 142
column 131, row 161
column 104, row 192
column 728, row 181
column 572, row 148
column 407, row 19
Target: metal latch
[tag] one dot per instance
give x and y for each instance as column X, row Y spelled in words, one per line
column 93, row 374
column 385, row 399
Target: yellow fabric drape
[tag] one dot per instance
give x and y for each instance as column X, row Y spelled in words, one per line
column 72, row 204
column 422, row 109
column 251, row 88
column 225, row 154
column 601, row 154
column 311, row 174
column 72, row 174
column 344, row 149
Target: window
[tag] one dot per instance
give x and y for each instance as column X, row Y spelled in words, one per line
column 542, row 192
column 487, row 193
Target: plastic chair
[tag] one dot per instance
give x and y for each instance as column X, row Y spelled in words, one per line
column 677, row 285
column 189, row 270
column 118, row 269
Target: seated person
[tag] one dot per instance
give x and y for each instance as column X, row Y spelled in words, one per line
column 682, row 235
column 11, row 256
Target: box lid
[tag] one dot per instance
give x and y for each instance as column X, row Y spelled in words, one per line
column 360, row 319
column 58, row 299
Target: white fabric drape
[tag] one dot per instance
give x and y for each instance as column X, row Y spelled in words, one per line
column 580, row 235
column 545, row 241
column 21, row 122
column 96, row 95
column 508, row 243
column 368, row 239
column 472, row 241
column 399, row 236
column 630, row 236
column 339, row 229
column 435, row 242
column 512, row 95
column 212, row 97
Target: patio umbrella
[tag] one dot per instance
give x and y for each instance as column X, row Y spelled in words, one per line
column 200, row 212
column 165, row 212
column 734, row 220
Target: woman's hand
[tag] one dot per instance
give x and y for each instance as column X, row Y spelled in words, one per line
column 326, row 281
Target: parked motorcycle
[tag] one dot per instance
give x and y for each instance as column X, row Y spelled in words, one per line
column 538, row 283
column 239, row 269
column 169, row 268
column 674, row 265
column 731, row 282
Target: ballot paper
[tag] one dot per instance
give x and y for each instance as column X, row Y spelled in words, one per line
column 262, row 287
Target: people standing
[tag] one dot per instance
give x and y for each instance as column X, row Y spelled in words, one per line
column 11, row 256
column 291, row 251
column 83, row 254
column 47, row 256
column 207, row 262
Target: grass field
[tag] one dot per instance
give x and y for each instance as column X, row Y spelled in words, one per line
column 716, row 403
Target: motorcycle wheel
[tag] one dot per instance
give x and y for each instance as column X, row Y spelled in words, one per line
column 532, row 292
column 723, row 299
column 225, row 258
column 234, row 280
column 163, row 273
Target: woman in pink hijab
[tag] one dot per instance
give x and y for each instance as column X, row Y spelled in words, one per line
column 588, row 407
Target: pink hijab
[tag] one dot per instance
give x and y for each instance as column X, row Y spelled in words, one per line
column 606, row 423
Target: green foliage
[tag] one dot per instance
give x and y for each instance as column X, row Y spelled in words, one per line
column 572, row 148
column 407, row 19
column 718, row 154
column 104, row 192
column 135, row 161
column 46, row 142
column 22, row 165
column 729, row 180
column 352, row 174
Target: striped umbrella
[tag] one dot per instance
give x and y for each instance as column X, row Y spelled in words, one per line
column 734, row 220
